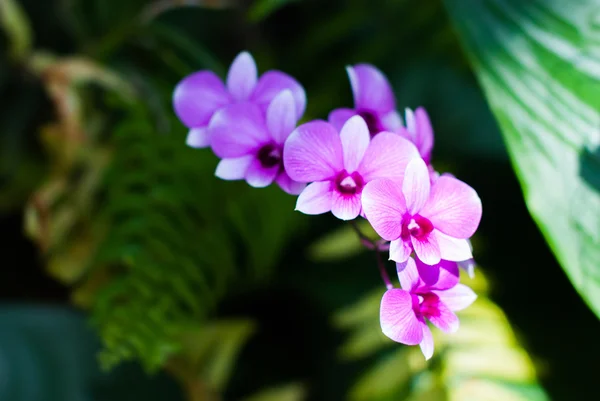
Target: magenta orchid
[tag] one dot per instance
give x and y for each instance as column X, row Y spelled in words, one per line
column 340, row 165
column 363, row 162
column 435, row 220
column 404, row 312
column 468, row 266
column 419, row 131
column 199, row 95
column 251, row 144
column 373, row 100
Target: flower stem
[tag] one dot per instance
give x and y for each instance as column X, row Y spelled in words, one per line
column 375, row 245
column 366, row 241
column 384, row 274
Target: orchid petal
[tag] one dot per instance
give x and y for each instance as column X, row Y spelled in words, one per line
column 452, row 248
column 411, row 125
column 391, row 121
column 313, row 152
column 355, row 140
column 237, row 130
column 273, row 82
column 439, row 314
column 198, row 138
column 440, row 276
column 338, row 117
column 242, row 76
column 259, row 176
column 234, row 169
column 457, row 298
column 398, row 319
column 281, row 116
column 387, row 156
column 371, row 89
column 400, row 250
column 406, row 134
column 424, row 133
column 427, row 342
column 449, row 275
column 345, row 207
column 427, row 249
column 383, row 204
column 415, row 185
column 288, row 185
column 468, row 266
column 408, row 275
column 433, row 175
column 316, row 198
column 428, row 274
column 198, row 96
column 453, row 207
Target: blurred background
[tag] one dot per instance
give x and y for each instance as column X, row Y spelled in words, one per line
column 130, row 272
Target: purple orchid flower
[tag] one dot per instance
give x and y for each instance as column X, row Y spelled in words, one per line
column 199, row 95
column 445, row 273
column 419, row 131
column 251, row 144
column 468, row 266
column 373, row 101
column 339, row 165
column 435, row 220
column 404, row 312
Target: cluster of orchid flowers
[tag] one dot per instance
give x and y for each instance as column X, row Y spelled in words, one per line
column 362, row 162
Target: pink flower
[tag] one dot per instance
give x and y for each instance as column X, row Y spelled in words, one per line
column 339, row 165
column 403, row 312
column 419, row 131
column 251, row 144
column 444, row 274
column 199, row 95
column 373, row 101
column 435, row 220
column 468, row 266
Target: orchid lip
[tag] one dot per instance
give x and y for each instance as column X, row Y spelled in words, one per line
column 416, row 226
column 349, row 184
column 269, row 155
column 427, row 304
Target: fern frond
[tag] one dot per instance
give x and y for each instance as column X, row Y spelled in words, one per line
column 178, row 241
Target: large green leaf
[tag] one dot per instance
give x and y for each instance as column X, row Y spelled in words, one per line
column 539, row 65
column 17, row 28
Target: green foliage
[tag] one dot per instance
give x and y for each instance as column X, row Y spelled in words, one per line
column 209, row 353
column 175, row 242
column 263, row 8
column 20, row 169
column 135, row 220
column 17, row 28
column 289, row 392
column 538, row 64
column 341, row 243
column 482, row 361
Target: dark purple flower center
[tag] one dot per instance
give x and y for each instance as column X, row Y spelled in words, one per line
column 269, row 155
column 415, row 226
column 372, row 121
column 349, row 184
column 426, row 304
